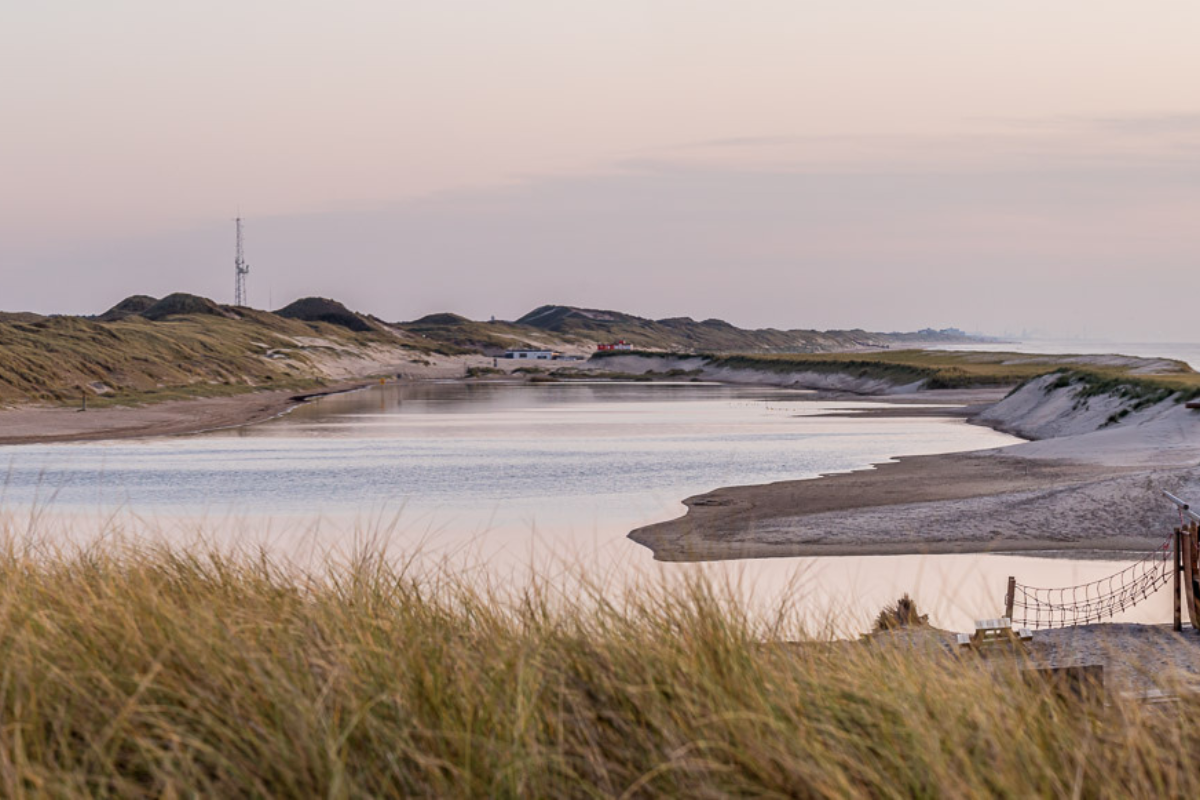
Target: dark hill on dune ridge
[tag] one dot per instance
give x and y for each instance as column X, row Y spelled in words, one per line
column 322, row 309
column 182, row 303
column 19, row 316
column 307, row 309
column 444, row 318
column 559, row 318
column 710, row 335
column 553, row 326
column 134, row 304
column 490, row 338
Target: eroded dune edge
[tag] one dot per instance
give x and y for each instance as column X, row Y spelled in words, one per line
column 1090, row 479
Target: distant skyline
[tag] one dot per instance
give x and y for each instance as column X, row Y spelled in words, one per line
column 784, row 163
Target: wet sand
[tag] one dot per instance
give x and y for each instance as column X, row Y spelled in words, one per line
column 1084, row 484
column 954, row 503
column 39, row 424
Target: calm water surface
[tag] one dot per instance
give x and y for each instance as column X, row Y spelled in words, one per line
column 469, row 457
column 516, row 473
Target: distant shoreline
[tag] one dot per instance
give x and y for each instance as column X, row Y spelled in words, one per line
column 50, row 425
column 32, row 424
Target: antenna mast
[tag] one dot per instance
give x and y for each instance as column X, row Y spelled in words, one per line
column 240, row 270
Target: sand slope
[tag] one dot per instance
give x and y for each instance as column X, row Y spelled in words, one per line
column 1088, row 486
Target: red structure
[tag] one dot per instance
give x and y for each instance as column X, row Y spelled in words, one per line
column 618, row 345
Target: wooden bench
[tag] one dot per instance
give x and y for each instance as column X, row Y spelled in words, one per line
column 994, row 631
column 991, row 631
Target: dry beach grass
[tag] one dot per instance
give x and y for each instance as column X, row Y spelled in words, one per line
column 147, row 671
column 136, row 669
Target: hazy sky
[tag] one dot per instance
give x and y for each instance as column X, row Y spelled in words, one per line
column 886, row 165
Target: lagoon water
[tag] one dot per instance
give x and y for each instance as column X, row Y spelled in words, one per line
column 472, row 455
column 517, row 473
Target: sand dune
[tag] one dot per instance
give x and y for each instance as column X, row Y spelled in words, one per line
column 1088, row 486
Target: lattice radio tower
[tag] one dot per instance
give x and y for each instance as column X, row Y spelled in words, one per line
column 240, row 269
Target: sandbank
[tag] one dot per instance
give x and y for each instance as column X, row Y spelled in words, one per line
column 1085, row 484
column 954, row 503
column 43, row 424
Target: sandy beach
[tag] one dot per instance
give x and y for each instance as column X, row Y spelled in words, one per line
column 41, row 424
column 1081, row 484
column 957, row 503
column 34, row 424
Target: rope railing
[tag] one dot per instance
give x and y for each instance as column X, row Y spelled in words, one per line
column 1037, row 607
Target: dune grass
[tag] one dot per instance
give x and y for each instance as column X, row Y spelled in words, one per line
column 949, row 369
column 135, row 360
column 1141, row 391
column 155, row 672
column 945, row 369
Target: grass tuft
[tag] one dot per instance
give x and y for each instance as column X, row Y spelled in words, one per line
column 902, row 614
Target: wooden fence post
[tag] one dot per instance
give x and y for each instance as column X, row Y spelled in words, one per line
column 1178, row 584
column 1010, row 597
column 1189, row 574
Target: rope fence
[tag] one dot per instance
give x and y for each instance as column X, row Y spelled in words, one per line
column 1035, row 607
column 1179, row 554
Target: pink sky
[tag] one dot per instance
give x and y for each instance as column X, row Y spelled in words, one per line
column 797, row 164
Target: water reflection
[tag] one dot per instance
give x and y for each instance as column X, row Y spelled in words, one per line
column 513, row 477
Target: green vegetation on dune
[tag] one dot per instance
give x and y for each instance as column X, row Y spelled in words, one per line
column 180, row 304
column 939, row 369
column 1145, row 390
column 60, row 358
column 182, row 345
column 893, row 370
column 134, row 304
column 684, row 334
column 135, row 359
column 322, row 309
column 949, row 369
column 166, row 673
column 1136, row 392
column 451, row 334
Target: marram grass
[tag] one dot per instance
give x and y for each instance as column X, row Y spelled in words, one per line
column 157, row 672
